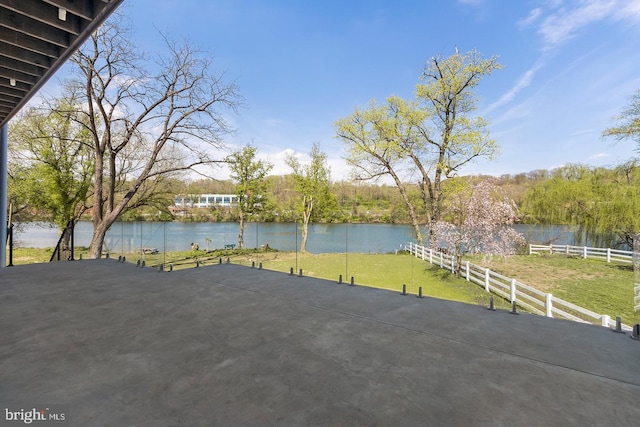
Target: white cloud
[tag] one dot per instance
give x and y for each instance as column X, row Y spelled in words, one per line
column 533, row 16
column 523, row 82
column 562, row 23
column 274, row 122
column 566, row 22
column 598, row 156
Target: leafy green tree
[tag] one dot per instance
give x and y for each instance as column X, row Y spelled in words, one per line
column 603, row 203
column 451, row 136
column 375, row 139
column 51, row 166
column 629, row 121
column 432, row 137
column 249, row 175
column 313, row 186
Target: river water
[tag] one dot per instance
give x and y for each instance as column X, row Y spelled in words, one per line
column 126, row 237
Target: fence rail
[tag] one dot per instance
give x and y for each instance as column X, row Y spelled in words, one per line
column 608, row 254
column 532, row 299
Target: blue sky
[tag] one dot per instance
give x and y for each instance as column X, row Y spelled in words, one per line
column 569, row 67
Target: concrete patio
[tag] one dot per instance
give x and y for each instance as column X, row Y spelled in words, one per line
column 119, row 345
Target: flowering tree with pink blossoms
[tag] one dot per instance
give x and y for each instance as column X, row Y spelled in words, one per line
column 477, row 220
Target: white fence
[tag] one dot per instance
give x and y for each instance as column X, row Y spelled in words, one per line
column 531, row 299
column 608, row 254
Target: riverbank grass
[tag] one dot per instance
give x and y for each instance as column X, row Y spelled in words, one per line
column 605, row 288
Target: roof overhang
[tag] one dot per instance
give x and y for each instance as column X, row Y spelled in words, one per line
column 36, row 38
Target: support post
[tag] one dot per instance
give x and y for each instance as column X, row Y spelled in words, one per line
column 584, row 252
column 608, row 254
column 73, row 241
column 486, row 279
column 3, row 195
column 10, row 246
column 549, row 305
column 513, row 290
column 467, row 271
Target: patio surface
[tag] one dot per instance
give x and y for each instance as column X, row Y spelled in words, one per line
column 118, row 345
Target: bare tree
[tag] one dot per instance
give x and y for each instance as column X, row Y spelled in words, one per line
column 147, row 118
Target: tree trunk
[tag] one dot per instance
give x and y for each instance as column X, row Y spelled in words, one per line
column 97, row 240
column 305, row 233
column 458, row 264
column 407, row 201
column 306, row 216
column 241, row 232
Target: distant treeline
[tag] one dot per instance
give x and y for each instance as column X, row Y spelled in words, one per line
column 356, row 202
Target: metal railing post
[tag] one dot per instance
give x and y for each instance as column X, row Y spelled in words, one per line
column 73, row 227
column 10, row 232
column 549, row 305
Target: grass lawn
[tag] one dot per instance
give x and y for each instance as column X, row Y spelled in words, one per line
column 593, row 284
column 606, row 288
column 386, row 271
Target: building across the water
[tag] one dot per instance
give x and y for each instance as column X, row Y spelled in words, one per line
column 205, row 200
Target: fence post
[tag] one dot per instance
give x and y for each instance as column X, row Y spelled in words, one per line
column 530, row 249
column 513, row 290
column 549, row 305
column 430, row 256
column 584, row 252
column 467, row 272
column 441, row 260
column 422, row 252
column 608, row 254
column 605, row 320
column 486, row 279
column 453, row 265
column 566, row 250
